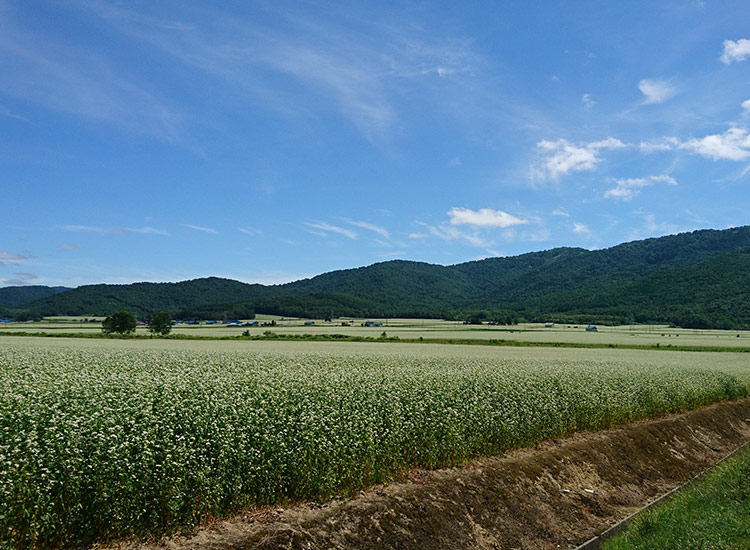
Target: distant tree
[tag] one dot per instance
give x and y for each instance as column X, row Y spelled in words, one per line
column 122, row 322
column 161, row 323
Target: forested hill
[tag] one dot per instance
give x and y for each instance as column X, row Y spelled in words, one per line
column 143, row 298
column 13, row 296
column 693, row 279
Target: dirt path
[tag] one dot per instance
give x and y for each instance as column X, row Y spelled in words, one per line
column 556, row 495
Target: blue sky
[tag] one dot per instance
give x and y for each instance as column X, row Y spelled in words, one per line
column 271, row 141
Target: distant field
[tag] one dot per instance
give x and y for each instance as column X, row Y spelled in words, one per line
column 627, row 335
column 104, row 438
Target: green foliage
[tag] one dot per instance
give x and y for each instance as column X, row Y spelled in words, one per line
column 14, row 296
column 121, row 322
column 144, row 299
column 161, row 323
column 695, row 280
column 111, row 441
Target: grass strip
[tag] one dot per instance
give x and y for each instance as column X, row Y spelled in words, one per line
column 714, row 512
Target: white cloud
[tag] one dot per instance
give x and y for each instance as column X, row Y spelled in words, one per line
column 587, row 101
column 560, row 212
column 581, row 229
column 67, row 246
column 735, row 50
column 328, row 228
column 663, row 144
column 208, row 230
column 734, row 144
column 627, row 189
column 564, row 157
column 484, row 217
column 656, row 91
column 417, row 236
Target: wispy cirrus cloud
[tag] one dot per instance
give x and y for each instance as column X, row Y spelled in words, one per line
column 5, row 112
column 147, row 230
column 250, row 231
column 209, row 230
column 656, row 90
column 581, row 229
column 562, row 157
column 324, row 229
column 302, row 63
column 13, row 257
column 451, row 233
column 629, row 188
column 369, row 226
column 658, row 145
column 735, row 50
column 651, row 227
column 587, row 101
column 62, row 74
column 20, row 279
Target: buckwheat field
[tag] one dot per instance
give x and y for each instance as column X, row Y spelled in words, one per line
column 117, row 439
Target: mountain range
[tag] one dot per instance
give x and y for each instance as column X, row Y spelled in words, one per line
column 699, row 279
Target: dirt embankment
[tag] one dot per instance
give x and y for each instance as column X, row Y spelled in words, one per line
column 556, row 495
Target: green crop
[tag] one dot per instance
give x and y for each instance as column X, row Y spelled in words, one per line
column 104, row 442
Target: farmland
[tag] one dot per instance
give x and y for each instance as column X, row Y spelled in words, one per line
column 431, row 329
column 103, row 439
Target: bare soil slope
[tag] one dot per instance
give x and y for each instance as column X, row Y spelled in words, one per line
column 556, row 495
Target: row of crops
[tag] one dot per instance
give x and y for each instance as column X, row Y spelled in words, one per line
column 107, row 442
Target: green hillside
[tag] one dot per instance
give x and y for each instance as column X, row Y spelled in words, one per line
column 14, row 296
column 142, row 299
column 692, row 279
